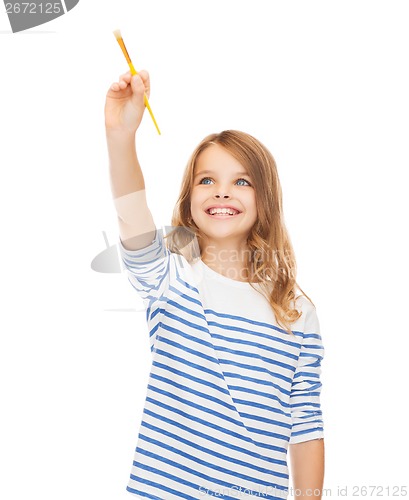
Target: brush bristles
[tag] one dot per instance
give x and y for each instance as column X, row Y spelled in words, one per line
column 117, row 34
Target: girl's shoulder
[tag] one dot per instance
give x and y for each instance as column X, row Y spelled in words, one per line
column 303, row 303
column 308, row 321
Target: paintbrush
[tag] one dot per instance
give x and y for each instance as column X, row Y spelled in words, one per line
column 121, row 43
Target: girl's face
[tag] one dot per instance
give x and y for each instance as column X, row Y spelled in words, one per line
column 221, row 181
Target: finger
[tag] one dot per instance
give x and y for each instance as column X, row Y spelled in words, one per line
column 123, row 84
column 137, row 85
column 126, row 76
column 146, row 81
column 145, row 76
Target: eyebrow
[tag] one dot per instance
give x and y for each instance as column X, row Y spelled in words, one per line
column 212, row 172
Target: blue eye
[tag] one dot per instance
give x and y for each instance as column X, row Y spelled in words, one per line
column 204, row 179
column 238, row 180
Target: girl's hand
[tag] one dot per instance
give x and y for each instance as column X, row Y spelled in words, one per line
column 124, row 105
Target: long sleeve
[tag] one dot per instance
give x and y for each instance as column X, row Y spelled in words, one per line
column 148, row 268
column 306, row 413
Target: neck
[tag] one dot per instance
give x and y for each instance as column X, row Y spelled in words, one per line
column 227, row 258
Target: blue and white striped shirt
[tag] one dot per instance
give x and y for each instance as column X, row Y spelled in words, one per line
column 228, row 389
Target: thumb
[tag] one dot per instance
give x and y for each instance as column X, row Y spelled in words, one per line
column 138, row 89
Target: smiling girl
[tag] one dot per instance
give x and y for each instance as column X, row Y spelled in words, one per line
column 236, row 348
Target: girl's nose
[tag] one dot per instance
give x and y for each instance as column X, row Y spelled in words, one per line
column 224, row 196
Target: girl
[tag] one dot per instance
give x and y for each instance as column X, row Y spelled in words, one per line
column 236, row 348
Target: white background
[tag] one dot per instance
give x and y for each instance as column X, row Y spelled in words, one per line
column 324, row 85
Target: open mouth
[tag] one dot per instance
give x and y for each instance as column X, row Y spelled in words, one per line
column 222, row 212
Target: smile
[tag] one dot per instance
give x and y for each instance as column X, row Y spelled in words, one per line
column 225, row 215
column 222, row 210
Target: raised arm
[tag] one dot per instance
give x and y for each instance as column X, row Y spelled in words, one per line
column 124, row 108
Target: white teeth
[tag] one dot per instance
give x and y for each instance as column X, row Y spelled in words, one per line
column 229, row 211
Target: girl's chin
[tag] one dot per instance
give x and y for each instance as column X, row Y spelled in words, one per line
column 212, row 232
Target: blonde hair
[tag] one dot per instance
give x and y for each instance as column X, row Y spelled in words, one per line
column 272, row 261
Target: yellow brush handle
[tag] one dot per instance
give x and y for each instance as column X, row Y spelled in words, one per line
column 145, row 99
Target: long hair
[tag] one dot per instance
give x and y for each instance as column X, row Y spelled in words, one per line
column 271, row 260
